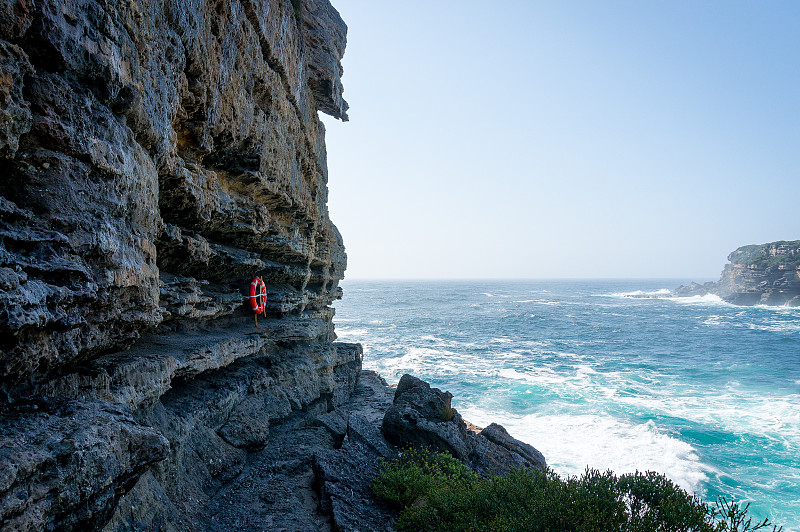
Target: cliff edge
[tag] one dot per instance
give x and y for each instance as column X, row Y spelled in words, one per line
column 761, row 274
column 154, row 157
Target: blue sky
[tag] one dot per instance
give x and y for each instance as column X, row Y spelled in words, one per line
column 565, row 139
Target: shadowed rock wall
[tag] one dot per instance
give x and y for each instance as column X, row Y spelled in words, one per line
column 154, row 156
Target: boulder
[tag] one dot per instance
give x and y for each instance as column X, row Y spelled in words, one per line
column 423, row 416
column 496, row 451
column 692, row 289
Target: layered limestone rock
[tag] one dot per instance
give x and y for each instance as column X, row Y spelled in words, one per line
column 150, row 144
column 765, row 274
column 155, row 156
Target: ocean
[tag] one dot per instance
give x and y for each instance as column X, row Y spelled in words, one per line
column 609, row 374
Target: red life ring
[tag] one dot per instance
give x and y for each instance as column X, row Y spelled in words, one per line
column 258, row 295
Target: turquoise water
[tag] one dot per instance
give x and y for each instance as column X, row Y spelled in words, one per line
column 705, row 392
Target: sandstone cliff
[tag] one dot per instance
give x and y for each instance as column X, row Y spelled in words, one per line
column 154, row 157
column 762, row 274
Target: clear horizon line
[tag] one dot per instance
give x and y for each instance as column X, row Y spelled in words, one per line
column 681, row 278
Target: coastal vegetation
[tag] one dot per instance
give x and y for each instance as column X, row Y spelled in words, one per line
column 436, row 492
column 446, row 413
column 782, row 253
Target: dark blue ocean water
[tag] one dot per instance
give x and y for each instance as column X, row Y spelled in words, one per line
column 705, row 392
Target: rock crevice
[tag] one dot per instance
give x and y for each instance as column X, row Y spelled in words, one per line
column 155, row 156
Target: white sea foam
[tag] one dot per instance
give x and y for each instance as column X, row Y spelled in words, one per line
column 776, row 326
column 708, row 299
column 713, row 320
column 644, row 294
column 548, row 302
column 739, row 411
column 570, row 443
column 510, row 373
column 438, row 341
column 558, row 383
column 424, row 360
column 781, row 324
column 347, row 332
column 785, row 310
column 580, row 393
column 585, row 369
column 665, row 293
column 420, row 353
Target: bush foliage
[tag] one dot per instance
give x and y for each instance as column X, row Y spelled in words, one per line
column 436, row 492
column 760, row 255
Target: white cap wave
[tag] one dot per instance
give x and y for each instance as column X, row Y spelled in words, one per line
column 571, row 443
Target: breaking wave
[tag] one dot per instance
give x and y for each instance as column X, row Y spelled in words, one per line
column 613, row 375
column 644, row 294
column 571, row 443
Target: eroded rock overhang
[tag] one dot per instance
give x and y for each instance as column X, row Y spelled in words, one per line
column 154, row 156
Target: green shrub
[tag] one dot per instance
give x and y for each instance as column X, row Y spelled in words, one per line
column 759, row 255
column 655, row 503
column 447, row 413
column 417, row 474
column 735, row 518
column 436, row 492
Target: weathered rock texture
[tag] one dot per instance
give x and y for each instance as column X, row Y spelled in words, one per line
column 765, row 274
column 154, row 157
column 422, row 416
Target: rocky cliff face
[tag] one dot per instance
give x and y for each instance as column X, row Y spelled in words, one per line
column 765, row 274
column 155, row 156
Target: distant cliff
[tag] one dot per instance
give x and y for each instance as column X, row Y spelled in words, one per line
column 760, row 274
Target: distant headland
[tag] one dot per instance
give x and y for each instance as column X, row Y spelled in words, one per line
column 759, row 274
